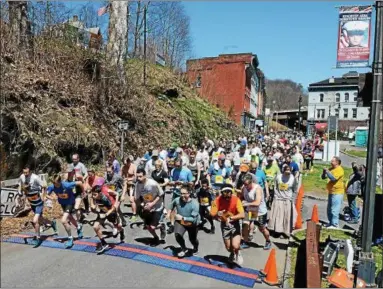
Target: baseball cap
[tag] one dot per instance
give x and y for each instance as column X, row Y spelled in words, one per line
column 155, row 153
column 244, row 168
column 270, row 159
column 221, row 157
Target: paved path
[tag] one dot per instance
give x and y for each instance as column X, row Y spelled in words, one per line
column 45, row 267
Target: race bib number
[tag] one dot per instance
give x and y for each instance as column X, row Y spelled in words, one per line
column 228, row 181
column 63, row 196
column 148, row 197
column 243, row 160
column 216, row 155
column 253, row 214
column 204, row 201
column 218, row 179
column 186, row 223
column 112, row 187
column 283, row 187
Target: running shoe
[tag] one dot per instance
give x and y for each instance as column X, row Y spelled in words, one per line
column 244, row 245
column 54, row 226
column 115, row 233
column 162, row 231
column 79, row 232
column 212, row 230
column 267, row 246
column 239, row 258
column 122, row 236
column 231, row 257
column 171, row 229
column 181, row 254
column 195, row 251
column 69, row 243
column 102, row 249
column 36, row 242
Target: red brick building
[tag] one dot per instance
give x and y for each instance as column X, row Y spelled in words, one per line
column 232, row 82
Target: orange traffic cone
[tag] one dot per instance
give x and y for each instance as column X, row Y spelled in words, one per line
column 267, row 265
column 272, row 274
column 314, row 216
column 299, row 222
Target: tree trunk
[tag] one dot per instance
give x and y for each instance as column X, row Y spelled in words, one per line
column 20, row 27
column 117, row 45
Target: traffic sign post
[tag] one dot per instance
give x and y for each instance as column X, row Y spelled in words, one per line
column 123, row 126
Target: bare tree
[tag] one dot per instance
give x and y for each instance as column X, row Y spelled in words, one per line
column 88, row 15
column 20, row 26
column 285, row 93
column 117, row 45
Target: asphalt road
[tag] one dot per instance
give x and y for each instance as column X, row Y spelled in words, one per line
column 23, row 265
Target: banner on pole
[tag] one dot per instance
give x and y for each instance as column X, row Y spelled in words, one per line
column 354, row 36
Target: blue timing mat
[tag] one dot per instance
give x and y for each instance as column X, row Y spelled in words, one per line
column 155, row 256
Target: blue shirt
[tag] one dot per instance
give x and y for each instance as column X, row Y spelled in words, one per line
column 182, row 175
column 64, row 193
column 189, row 210
column 222, row 171
column 294, row 167
column 261, row 178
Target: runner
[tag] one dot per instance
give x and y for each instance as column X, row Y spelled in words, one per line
column 115, row 184
column 128, row 173
column 195, row 168
column 91, row 181
column 66, row 198
column 149, row 195
column 106, row 208
column 218, row 174
column 33, row 188
column 244, row 169
column 187, row 219
column 271, row 170
column 78, row 172
column 205, row 198
column 149, row 168
column 228, row 210
column 178, row 177
column 255, row 211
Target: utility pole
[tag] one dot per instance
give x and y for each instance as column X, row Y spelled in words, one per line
column 366, row 269
column 145, row 11
column 299, row 113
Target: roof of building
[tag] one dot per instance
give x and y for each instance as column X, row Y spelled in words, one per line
column 350, row 78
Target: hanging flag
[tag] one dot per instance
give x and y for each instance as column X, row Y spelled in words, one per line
column 354, row 36
column 103, row 10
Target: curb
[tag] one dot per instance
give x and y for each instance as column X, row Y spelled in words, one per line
column 314, row 198
column 351, row 156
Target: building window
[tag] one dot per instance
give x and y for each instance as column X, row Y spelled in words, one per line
column 320, row 113
column 354, row 113
column 321, row 97
column 355, row 96
column 345, row 113
column 346, row 97
column 337, row 112
column 337, row 97
column 198, row 81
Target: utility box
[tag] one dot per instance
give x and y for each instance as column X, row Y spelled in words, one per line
column 361, row 136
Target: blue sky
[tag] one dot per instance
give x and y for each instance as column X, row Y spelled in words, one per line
column 293, row 40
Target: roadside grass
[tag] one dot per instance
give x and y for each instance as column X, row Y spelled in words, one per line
column 341, row 261
column 313, row 183
column 355, row 153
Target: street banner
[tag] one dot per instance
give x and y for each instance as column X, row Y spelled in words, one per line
column 354, row 36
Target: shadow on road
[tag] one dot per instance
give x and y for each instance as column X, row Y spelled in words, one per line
column 223, row 261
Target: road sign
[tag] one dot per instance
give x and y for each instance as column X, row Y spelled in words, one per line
column 123, row 125
column 332, row 123
column 267, row 111
column 8, row 201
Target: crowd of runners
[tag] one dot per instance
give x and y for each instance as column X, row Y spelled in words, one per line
column 241, row 184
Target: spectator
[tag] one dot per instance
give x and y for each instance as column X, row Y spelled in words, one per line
column 335, row 188
column 283, row 213
column 353, row 189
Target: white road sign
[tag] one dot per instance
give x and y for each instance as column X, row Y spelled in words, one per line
column 8, row 201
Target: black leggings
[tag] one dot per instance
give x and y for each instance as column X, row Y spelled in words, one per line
column 205, row 215
column 308, row 163
column 179, row 232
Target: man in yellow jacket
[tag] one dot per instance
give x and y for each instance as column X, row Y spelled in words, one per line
column 335, row 188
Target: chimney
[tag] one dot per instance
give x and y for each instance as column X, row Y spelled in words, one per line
column 75, row 18
column 331, row 80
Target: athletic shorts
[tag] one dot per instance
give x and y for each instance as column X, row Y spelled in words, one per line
column 113, row 218
column 152, row 218
column 231, row 231
column 68, row 208
column 261, row 221
column 38, row 210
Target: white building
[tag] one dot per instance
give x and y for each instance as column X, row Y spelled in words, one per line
column 338, row 97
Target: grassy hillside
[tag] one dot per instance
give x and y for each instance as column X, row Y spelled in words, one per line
column 66, row 99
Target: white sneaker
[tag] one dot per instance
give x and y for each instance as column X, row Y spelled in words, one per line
column 239, row 258
column 115, row 232
column 332, row 227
